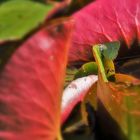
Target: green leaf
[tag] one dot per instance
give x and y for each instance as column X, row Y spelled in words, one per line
column 110, row 50
column 19, row 17
column 87, row 69
column 70, row 73
column 98, row 57
column 104, row 55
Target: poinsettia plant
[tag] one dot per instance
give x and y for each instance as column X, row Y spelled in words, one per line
column 57, row 54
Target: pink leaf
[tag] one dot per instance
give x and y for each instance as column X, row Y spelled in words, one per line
column 105, row 21
column 31, row 85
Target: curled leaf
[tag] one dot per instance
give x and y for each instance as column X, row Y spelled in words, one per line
column 89, row 68
column 74, row 93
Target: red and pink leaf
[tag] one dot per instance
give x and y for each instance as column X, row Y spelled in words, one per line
column 31, row 85
column 105, row 21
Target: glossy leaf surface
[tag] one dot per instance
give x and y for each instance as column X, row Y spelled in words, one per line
column 31, row 85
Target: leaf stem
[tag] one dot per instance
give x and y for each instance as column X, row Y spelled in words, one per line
column 59, row 136
column 97, row 55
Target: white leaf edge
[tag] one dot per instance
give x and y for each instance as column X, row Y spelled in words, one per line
column 74, row 93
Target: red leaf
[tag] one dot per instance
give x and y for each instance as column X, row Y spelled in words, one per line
column 31, row 86
column 104, row 21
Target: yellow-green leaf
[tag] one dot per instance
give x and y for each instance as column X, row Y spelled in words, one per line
column 19, row 17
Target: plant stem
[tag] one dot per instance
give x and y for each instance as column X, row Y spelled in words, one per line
column 59, row 136
column 97, row 55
